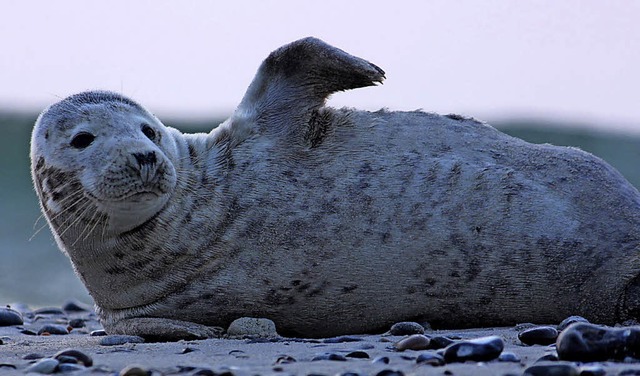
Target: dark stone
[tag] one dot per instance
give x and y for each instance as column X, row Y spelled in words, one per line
column 406, row 328
column 389, row 372
column 358, row 355
column 509, row 357
column 98, row 333
column 53, row 329
column 571, row 320
column 439, row 342
column 120, row 340
column 78, row 355
column 73, row 305
column 553, row 357
column 285, row 359
column 329, row 356
column 589, row 342
column 540, row 335
column 552, row 369
column 187, row 350
column 592, row 371
column 430, row 358
column 76, row 323
column 33, row 356
column 49, row 311
column 28, row 332
column 477, row 350
column 9, row 317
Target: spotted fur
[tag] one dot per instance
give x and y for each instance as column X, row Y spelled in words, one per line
column 330, row 221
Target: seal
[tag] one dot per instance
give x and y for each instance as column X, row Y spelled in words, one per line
column 329, row 221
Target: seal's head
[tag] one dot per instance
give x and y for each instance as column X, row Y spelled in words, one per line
column 101, row 161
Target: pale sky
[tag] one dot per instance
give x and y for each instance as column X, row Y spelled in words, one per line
column 567, row 60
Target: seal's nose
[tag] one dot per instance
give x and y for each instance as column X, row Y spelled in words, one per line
column 145, row 158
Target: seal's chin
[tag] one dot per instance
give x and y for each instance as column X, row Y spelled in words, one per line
column 132, row 210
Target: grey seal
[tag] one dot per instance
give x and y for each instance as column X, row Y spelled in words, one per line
column 329, row 221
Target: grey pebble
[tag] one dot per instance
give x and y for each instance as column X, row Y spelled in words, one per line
column 78, row 355
column 53, row 329
column 589, row 342
column 9, row 317
column 28, row 332
column 552, row 369
column 77, row 323
column 134, row 370
column 430, row 358
column 98, row 333
column 539, row 335
column 381, row 360
column 508, row 356
column 115, row 340
column 341, row 339
column 251, row 326
column 571, row 320
column 204, row 372
column 478, row 350
column 45, row 366
column 413, row 342
column 285, row 359
column 7, row 365
column 48, row 311
column 69, row 367
column 33, row 356
column 406, row 328
column 329, row 356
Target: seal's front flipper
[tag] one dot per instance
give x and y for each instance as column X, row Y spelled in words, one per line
column 154, row 329
column 296, row 79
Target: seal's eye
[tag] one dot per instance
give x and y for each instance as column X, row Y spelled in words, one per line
column 148, row 131
column 82, row 140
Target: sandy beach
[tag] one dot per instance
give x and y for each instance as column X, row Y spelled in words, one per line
column 373, row 354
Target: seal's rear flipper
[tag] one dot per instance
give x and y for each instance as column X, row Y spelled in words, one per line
column 296, row 79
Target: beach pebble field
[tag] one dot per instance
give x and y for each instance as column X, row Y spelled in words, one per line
column 69, row 340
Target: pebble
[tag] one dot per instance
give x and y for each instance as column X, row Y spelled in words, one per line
column 285, row 359
column 45, row 366
column 589, row 342
column 479, row 350
column 329, row 356
column 9, row 317
column 439, row 342
column 69, row 367
column 389, row 372
column 552, row 369
column 508, row 356
column 76, row 323
column 49, row 311
column 358, row 355
column 115, row 340
column 540, row 335
column 571, row 320
column 79, row 356
column 406, row 328
column 253, row 327
column 134, row 370
column 204, row 372
column 551, row 357
column 592, row 371
column 413, row 342
column 74, row 305
column 430, row 358
column 98, row 333
column 381, row 360
column 342, row 339
column 53, row 329
column 33, row 356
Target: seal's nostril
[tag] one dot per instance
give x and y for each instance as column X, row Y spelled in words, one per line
column 145, row 158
